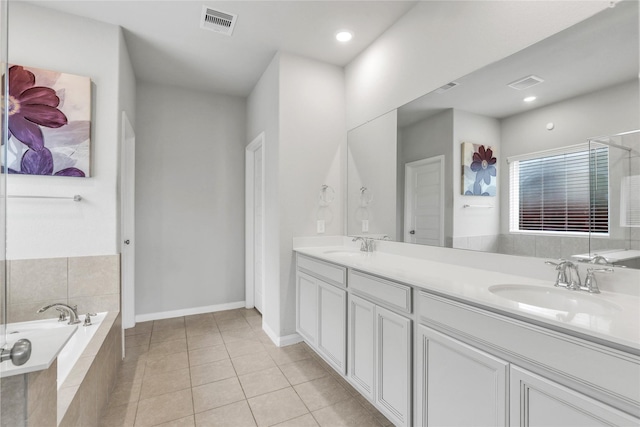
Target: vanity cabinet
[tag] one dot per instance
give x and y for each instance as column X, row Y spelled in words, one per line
column 321, row 307
column 379, row 350
column 537, row 401
column 458, row 384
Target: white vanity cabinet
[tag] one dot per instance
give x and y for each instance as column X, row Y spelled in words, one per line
column 469, row 372
column 537, row 401
column 458, row 384
column 321, row 309
column 379, row 350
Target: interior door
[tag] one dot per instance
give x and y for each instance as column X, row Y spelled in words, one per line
column 127, row 234
column 424, row 202
column 258, row 228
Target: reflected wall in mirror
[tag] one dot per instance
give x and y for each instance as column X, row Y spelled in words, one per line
column 585, row 83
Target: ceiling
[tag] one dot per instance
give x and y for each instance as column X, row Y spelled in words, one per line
column 594, row 54
column 167, row 45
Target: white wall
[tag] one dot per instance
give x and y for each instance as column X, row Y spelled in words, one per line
column 40, row 228
column 469, row 222
column 189, row 199
column 312, row 132
column 429, row 138
column 439, row 41
column 372, row 164
column 299, row 104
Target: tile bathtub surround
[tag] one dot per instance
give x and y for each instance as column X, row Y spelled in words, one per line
column 221, row 369
column 92, row 283
column 29, row 399
column 84, row 395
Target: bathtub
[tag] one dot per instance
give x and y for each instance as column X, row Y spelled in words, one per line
column 74, row 347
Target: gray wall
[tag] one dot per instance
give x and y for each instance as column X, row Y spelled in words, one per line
column 428, row 138
column 605, row 112
column 189, row 199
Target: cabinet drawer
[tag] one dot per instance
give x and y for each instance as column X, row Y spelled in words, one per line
column 323, row 270
column 384, row 292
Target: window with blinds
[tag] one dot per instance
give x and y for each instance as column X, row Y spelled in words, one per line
column 563, row 192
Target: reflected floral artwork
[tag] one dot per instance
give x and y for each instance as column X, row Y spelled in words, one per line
column 49, row 123
column 478, row 170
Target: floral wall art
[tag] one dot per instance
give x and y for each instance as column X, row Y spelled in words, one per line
column 49, row 123
column 478, row 170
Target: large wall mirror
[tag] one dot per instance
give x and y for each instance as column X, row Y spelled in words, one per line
column 536, row 155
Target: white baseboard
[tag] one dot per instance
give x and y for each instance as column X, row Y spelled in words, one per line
column 189, row 311
column 281, row 341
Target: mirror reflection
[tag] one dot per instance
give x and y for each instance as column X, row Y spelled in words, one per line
column 507, row 159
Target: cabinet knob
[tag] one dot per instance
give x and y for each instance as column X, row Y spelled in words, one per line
column 412, row 232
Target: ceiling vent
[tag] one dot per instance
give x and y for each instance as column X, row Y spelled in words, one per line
column 525, row 83
column 447, row 87
column 218, row 21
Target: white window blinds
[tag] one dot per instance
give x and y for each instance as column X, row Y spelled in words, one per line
column 565, row 192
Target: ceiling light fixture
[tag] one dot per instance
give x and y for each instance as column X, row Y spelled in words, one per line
column 529, row 99
column 344, row 36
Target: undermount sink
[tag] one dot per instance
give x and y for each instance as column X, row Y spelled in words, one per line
column 553, row 298
column 344, row 252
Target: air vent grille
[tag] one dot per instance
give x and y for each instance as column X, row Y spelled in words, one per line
column 525, row 83
column 447, row 87
column 218, row 21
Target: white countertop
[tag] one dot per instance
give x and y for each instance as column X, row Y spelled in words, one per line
column 45, row 346
column 620, row 326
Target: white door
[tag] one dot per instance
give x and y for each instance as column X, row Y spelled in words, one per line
column 332, row 324
column 254, row 223
column 424, row 202
column 258, row 230
column 393, row 366
column 127, row 223
column 459, row 385
column 537, row 401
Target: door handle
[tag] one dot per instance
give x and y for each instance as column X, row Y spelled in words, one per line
column 126, row 242
column 412, row 232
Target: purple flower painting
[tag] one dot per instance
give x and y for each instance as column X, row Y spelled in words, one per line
column 478, row 170
column 49, row 123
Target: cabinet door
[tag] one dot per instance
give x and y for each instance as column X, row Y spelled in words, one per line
column 537, row 401
column 307, row 307
column 393, row 366
column 361, row 344
column 458, row 384
column 332, row 324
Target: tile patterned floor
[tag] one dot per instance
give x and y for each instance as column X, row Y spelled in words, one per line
column 221, row 369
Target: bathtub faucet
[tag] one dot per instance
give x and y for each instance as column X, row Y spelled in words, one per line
column 64, row 308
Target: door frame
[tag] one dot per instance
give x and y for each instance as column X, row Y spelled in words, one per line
column 409, row 170
column 249, row 257
column 127, row 273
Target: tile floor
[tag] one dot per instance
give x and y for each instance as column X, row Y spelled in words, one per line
column 221, row 369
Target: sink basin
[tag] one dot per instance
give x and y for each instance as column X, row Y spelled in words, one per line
column 343, row 252
column 555, row 299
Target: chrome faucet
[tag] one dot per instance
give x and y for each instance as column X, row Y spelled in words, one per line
column 66, row 310
column 590, row 283
column 366, row 243
column 566, row 279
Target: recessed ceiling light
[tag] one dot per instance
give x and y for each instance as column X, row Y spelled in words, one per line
column 344, row 36
column 529, row 99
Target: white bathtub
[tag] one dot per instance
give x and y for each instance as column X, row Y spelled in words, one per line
column 72, row 351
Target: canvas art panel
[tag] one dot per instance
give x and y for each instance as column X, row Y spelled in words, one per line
column 479, row 170
column 49, row 123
